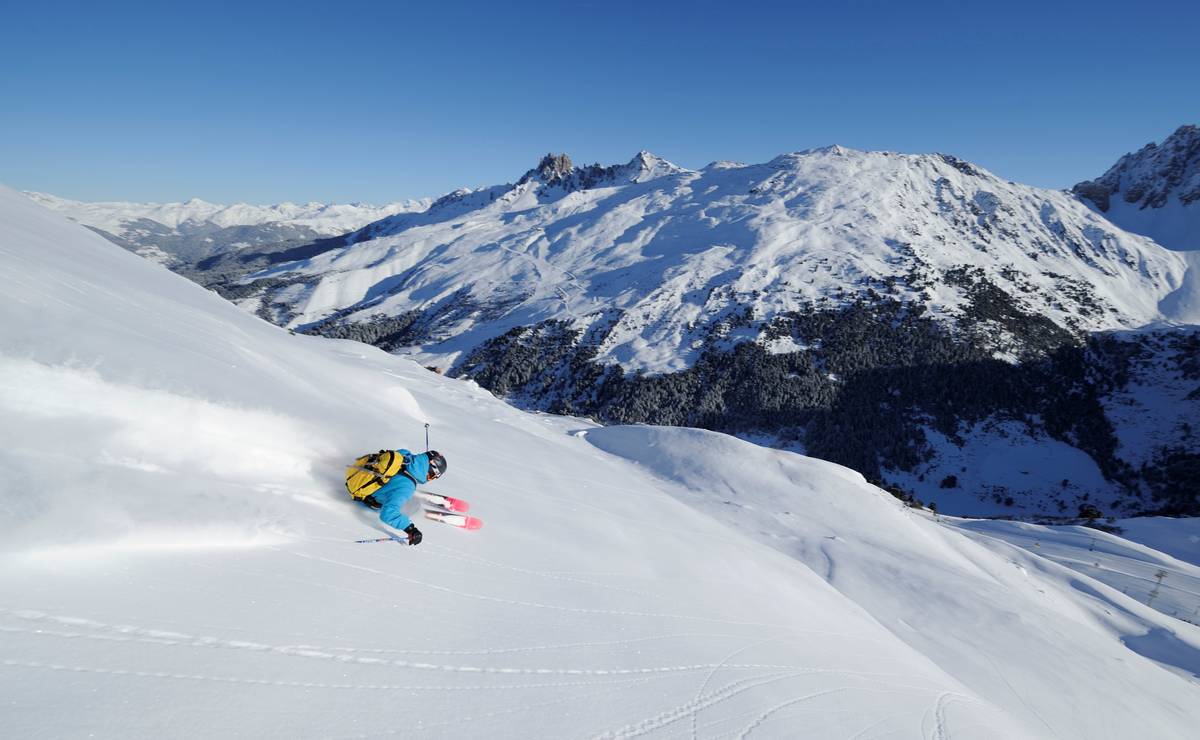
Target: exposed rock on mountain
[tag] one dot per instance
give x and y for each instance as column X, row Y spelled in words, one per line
column 1155, row 191
column 1153, row 176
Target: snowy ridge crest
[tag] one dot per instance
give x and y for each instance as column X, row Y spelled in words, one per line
column 557, row 170
column 554, row 177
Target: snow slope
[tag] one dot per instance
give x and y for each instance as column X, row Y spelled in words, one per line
column 1016, row 628
column 652, row 258
column 178, row 558
column 1175, row 537
column 1129, row 567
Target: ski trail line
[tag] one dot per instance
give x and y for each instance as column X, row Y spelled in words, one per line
column 181, row 640
column 681, row 711
column 127, row 633
column 8, row 662
column 778, row 707
column 708, row 679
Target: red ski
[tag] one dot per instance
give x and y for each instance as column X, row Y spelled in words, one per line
column 449, row 503
column 462, row 521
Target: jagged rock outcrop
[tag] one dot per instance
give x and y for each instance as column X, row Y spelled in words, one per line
column 1152, row 176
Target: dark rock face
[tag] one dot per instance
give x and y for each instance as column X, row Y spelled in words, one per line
column 557, row 171
column 555, row 167
column 1151, row 176
column 962, row 166
column 1097, row 192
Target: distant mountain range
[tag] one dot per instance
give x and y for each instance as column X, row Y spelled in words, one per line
column 177, row 234
column 998, row 348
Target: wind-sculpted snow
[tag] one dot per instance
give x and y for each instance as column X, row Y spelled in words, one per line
column 178, row 557
column 652, row 266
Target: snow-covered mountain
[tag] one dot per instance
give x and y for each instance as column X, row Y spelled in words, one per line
column 182, row 233
column 1155, row 191
column 179, row 557
column 651, row 259
column 904, row 315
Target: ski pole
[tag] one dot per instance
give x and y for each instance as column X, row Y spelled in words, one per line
column 382, row 539
column 427, row 436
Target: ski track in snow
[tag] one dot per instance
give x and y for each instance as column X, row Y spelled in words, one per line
column 625, row 683
column 172, row 639
column 89, row 629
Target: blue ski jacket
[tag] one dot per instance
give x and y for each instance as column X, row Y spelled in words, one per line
column 399, row 491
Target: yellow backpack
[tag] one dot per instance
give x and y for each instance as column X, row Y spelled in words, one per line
column 371, row 472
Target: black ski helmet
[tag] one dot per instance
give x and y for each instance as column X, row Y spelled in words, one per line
column 437, row 464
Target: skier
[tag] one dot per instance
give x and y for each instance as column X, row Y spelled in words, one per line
column 395, row 499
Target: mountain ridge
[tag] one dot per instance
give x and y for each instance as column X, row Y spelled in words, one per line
column 791, row 185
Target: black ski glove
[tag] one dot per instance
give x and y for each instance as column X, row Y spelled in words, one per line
column 414, row 534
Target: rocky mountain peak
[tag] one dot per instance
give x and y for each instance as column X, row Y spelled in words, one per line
column 1151, row 176
column 557, row 170
column 554, row 168
column 647, row 166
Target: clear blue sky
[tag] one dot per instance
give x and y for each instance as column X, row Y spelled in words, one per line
column 375, row 101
